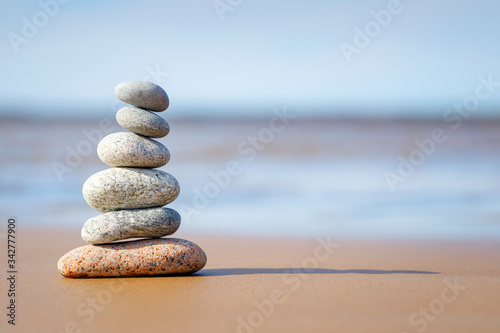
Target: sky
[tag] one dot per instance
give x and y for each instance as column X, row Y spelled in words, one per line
column 246, row 57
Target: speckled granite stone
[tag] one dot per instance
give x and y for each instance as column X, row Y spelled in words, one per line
column 144, row 257
column 142, row 122
column 124, row 149
column 123, row 224
column 143, row 94
column 129, row 188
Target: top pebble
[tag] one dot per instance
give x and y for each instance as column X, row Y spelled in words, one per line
column 143, row 94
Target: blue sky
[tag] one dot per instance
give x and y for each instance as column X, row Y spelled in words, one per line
column 263, row 54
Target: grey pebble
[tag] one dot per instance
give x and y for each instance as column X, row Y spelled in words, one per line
column 129, row 188
column 142, row 122
column 143, row 94
column 123, row 224
column 124, row 149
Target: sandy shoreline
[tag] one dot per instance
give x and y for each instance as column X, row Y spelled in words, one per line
column 268, row 285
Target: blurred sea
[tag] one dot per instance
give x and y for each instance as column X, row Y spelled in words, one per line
column 314, row 177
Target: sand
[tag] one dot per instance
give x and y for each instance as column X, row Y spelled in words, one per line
column 268, row 285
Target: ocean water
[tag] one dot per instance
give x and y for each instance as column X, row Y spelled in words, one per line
column 310, row 177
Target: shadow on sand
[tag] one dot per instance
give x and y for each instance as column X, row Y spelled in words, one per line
column 250, row 271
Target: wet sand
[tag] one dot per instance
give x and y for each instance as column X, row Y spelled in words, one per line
column 267, row 285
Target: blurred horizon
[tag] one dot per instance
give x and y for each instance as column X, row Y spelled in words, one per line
column 243, row 114
column 307, row 179
column 250, row 57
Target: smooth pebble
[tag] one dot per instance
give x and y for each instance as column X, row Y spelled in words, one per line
column 129, row 188
column 133, row 223
column 142, row 122
column 144, row 94
column 124, row 149
column 135, row 258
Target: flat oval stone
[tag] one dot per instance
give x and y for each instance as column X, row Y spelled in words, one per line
column 123, row 224
column 143, row 94
column 124, row 149
column 142, row 122
column 137, row 258
column 129, row 188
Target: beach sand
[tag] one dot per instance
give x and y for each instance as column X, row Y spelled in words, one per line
column 267, row 285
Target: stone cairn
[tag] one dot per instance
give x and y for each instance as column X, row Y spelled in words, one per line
column 131, row 195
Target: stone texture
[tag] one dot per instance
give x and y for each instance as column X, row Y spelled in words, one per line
column 123, row 224
column 124, row 149
column 129, row 188
column 142, row 122
column 144, row 257
column 143, row 94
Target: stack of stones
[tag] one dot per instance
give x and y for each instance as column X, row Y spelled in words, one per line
column 131, row 195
